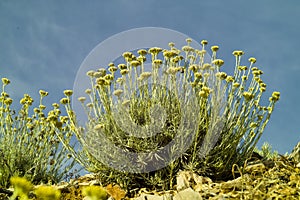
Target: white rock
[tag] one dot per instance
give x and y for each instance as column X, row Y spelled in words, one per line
column 187, row 194
column 183, row 180
column 154, row 197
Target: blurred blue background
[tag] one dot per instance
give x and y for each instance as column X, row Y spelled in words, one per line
column 43, row 43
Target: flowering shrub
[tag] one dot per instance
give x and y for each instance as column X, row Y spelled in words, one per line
column 29, row 145
column 230, row 119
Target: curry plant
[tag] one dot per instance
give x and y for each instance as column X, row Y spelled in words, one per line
column 266, row 151
column 230, row 117
column 29, row 145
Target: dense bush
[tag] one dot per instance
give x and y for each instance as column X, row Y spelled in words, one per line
column 230, row 119
column 29, row 145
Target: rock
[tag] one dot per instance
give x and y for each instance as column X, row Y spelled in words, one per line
column 154, row 197
column 187, row 194
column 183, row 180
column 186, row 179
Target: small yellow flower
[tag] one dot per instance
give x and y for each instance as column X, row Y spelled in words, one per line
column 81, row 99
column 109, row 77
column 198, row 75
column 88, row 91
column 26, row 100
column 206, row 75
column 90, row 73
column 135, row 63
column 229, row 79
column 193, row 67
column 118, row 92
column 169, row 54
column 141, row 59
column 99, row 127
column 171, row 44
column 127, row 56
column 99, row 74
column 202, row 52
column 221, row 75
column 112, row 69
column 68, row 92
column 191, row 57
column 172, row 70
column 126, row 103
column 145, row 75
column 270, row 109
column 188, row 40
column 36, row 110
column 193, row 84
column 142, row 52
column 175, row 59
column 43, row 93
column 244, row 78
column 4, row 94
column 238, row 53
column 89, row 105
column 236, row 85
column 260, row 117
column 262, row 89
column 253, row 124
column 100, row 81
column 23, row 101
column 5, row 81
column 255, row 72
column 187, row 49
column 218, row 62
column 8, row 101
column 206, row 89
column 42, row 107
column 248, row 96
column 124, row 71
column 204, row 42
column 263, row 85
column 120, row 80
column 157, row 62
column 64, row 101
column 55, row 105
column 206, row 66
column 257, row 79
column 275, row 96
column 252, row 60
column 122, row 66
column 215, row 48
column 111, row 64
column 203, row 94
column 242, row 68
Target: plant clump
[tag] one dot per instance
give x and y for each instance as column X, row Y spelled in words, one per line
column 29, row 145
column 227, row 111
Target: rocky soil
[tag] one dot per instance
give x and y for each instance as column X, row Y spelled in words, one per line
column 258, row 179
